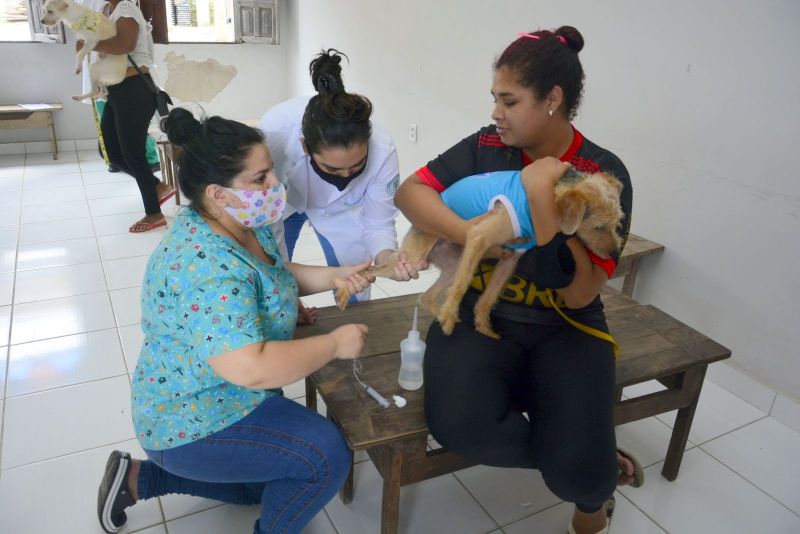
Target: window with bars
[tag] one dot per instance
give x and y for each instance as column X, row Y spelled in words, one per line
column 200, row 21
column 257, row 21
column 222, row 21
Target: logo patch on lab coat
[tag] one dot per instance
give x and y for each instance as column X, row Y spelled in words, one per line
column 392, row 186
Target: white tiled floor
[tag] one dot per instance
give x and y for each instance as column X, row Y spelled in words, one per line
column 71, row 338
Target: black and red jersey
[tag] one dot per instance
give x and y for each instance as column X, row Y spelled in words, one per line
column 485, row 152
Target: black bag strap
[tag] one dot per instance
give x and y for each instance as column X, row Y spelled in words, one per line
column 146, row 79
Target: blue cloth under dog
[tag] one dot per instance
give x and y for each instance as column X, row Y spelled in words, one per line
column 475, row 195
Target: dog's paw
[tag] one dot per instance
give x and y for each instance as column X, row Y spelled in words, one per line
column 342, row 299
column 448, row 322
column 447, row 327
column 486, row 331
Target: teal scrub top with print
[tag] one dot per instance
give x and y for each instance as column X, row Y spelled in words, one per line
column 204, row 295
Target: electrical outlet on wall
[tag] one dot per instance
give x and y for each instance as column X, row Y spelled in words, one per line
column 412, row 132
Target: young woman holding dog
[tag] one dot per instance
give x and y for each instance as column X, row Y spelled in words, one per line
column 219, row 308
column 562, row 377
column 128, row 110
column 340, row 169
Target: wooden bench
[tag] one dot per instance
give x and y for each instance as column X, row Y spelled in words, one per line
column 654, row 346
column 636, row 248
column 15, row 116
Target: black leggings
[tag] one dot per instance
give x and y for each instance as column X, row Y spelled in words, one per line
column 125, row 121
column 476, row 389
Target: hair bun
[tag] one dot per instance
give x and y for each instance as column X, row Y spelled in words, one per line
column 180, row 126
column 572, row 36
column 326, row 73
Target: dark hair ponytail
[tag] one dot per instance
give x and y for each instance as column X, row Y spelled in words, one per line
column 333, row 117
column 543, row 59
column 214, row 150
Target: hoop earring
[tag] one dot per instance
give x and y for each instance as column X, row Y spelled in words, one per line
column 550, row 112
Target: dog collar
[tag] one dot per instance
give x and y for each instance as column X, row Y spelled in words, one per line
column 89, row 22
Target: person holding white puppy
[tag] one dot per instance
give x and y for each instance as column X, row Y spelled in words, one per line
column 130, row 106
column 101, row 6
column 340, row 170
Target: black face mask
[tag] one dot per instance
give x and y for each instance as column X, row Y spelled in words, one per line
column 339, row 182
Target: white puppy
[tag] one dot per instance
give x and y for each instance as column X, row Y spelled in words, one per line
column 91, row 27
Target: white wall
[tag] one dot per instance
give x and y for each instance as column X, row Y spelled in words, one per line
column 260, row 81
column 699, row 99
column 39, row 72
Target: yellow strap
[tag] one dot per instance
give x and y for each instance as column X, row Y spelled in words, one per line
column 99, row 131
column 582, row 327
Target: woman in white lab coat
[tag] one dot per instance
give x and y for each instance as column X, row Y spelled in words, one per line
column 340, row 171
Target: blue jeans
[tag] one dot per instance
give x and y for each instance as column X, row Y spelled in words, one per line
column 282, row 455
column 291, row 232
column 291, row 228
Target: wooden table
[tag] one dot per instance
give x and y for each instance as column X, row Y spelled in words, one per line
column 654, row 346
column 15, row 116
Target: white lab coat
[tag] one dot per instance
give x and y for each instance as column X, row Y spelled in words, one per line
column 358, row 221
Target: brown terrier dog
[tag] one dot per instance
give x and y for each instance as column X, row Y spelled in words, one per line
column 586, row 204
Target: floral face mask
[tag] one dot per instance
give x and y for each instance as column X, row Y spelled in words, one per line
column 258, row 207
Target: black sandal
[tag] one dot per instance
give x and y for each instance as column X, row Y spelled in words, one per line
column 113, row 495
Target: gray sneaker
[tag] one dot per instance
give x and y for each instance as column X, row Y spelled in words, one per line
column 113, row 495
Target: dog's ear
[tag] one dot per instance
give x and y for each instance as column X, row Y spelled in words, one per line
column 59, row 5
column 571, row 207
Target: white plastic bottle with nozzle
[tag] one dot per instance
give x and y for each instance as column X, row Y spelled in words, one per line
column 412, row 351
